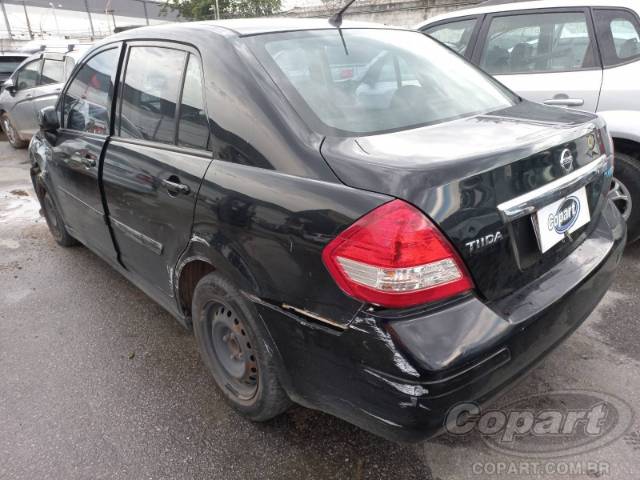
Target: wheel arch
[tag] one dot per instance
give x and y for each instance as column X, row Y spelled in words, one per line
column 38, row 168
column 200, row 259
column 188, row 275
column 627, row 146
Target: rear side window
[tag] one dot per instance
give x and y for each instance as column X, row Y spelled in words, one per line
column 193, row 125
column 538, row 43
column 52, row 72
column 619, row 34
column 150, row 93
column 29, row 75
column 455, row 35
column 87, row 99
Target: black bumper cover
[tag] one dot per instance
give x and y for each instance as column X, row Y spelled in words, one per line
column 398, row 377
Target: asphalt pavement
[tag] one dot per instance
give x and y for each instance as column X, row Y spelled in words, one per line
column 97, row 381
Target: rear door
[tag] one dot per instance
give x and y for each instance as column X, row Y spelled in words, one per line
column 619, row 39
column 547, row 56
column 21, row 112
column 86, row 115
column 157, row 158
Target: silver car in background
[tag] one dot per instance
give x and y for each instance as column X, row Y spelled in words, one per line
column 582, row 54
column 35, row 84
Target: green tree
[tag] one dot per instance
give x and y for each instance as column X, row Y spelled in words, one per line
column 205, row 9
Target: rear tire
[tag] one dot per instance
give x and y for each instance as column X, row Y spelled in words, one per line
column 55, row 222
column 625, row 192
column 12, row 134
column 233, row 344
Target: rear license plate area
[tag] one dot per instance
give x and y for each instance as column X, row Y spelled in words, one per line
column 558, row 220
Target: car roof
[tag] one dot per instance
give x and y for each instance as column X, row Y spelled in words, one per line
column 244, row 27
column 495, row 6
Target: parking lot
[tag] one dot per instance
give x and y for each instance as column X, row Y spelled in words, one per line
column 97, row 381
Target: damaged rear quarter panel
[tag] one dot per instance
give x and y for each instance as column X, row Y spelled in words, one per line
column 266, row 230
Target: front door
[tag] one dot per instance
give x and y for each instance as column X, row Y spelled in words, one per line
column 156, row 160
column 51, row 81
column 22, row 113
column 85, row 108
column 547, row 56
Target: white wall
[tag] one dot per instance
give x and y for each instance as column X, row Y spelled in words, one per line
column 390, row 12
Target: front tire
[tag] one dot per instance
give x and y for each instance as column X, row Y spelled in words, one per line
column 12, row 134
column 232, row 343
column 55, row 222
column 625, row 192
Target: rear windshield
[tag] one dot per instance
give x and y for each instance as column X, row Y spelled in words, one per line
column 374, row 80
column 9, row 64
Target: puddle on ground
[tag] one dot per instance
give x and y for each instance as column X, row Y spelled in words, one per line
column 18, row 206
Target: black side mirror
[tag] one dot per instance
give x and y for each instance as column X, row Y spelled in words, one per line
column 48, row 119
column 9, row 86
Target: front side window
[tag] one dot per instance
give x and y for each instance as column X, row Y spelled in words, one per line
column 29, row 75
column 150, row 93
column 374, row 80
column 537, row 43
column 193, row 125
column 619, row 34
column 88, row 97
column 52, row 72
column 455, row 35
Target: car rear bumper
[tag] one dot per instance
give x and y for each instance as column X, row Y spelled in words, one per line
column 398, row 376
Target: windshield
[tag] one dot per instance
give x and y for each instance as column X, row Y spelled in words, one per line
column 376, row 80
column 9, row 64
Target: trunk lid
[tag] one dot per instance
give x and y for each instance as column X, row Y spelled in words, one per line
column 462, row 173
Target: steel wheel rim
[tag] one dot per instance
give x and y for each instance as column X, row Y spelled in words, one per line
column 621, row 197
column 233, row 351
column 8, row 129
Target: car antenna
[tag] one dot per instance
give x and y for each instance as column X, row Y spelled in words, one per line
column 336, row 21
column 336, row 18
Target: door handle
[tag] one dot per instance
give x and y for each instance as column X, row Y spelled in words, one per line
column 173, row 186
column 565, row 102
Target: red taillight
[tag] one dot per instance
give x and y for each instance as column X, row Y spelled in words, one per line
column 395, row 257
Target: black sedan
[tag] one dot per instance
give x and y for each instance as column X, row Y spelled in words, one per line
column 354, row 219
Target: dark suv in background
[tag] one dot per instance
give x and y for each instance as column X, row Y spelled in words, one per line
column 354, row 219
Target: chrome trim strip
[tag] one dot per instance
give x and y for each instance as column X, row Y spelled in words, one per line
column 532, row 201
column 142, row 239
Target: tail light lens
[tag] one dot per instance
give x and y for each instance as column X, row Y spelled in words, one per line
column 395, row 257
